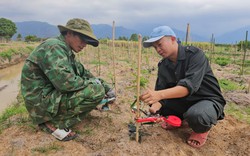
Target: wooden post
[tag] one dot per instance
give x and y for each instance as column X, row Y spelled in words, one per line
column 138, row 87
column 99, row 62
column 113, row 47
column 244, row 56
column 248, row 89
column 188, row 34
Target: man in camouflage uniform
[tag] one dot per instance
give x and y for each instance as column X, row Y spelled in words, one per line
column 58, row 91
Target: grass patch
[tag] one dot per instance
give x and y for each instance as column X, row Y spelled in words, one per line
column 124, row 60
column 8, row 53
column 222, row 61
column 241, row 113
column 48, row 148
column 96, row 62
column 13, row 110
column 228, row 85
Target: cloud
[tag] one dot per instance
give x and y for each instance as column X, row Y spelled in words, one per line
column 206, row 16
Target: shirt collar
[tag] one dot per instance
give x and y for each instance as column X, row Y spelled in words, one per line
column 181, row 56
column 69, row 50
column 181, row 53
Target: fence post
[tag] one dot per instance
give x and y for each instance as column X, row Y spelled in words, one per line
column 244, row 56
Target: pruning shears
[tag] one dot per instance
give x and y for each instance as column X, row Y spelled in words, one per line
column 171, row 120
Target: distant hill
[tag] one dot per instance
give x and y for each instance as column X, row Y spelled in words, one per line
column 45, row 30
column 40, row 29
column 233, row 36
column 105, row 31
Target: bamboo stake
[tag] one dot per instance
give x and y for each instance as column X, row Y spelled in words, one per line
column 244, row 56
column 188, row 34
column 138, row 87
column 99, row 62
column 113, row 47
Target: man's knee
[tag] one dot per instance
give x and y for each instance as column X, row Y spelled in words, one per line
column 92, row 93
column 201, row 119
column 96, row 92
column 198, row 122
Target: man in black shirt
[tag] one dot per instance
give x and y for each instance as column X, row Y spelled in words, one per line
column 185, row 86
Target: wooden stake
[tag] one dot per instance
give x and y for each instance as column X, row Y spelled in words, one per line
column 113, row 47
column 138, row 87
column 188, row 34
column 244, row 56
column 99, row 62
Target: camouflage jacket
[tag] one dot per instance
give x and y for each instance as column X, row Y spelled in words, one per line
column 49, row 73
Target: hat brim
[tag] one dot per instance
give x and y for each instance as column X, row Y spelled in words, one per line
column 90, row 38
column 149, row 42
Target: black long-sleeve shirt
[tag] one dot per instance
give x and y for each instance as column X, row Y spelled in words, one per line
column 192, row 70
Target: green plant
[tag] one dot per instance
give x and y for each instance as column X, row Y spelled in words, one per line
column 8, row 53
column 222, row 61
column 12, row 111
column 143, row 82
column 48, row 148
column 30, row 48
column 241, row 113
column 228, row 85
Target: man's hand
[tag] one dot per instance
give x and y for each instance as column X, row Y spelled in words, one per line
column 155, row 108
column 111, row 93
column 150, row 97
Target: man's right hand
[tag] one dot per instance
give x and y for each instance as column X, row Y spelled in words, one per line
column 111, row 93
column 155, row 108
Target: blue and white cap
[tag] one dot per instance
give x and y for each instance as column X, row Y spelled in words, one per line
column 157, row 34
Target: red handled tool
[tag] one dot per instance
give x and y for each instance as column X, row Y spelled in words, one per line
column 171, row 120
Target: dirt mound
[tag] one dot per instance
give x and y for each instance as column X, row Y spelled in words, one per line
column 106, row 133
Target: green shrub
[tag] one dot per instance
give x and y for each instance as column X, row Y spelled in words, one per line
column 228, row 85
column 222, row 61
column 8, row 54
column 241, row 113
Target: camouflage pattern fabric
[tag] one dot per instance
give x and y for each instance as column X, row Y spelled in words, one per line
column 57, row 88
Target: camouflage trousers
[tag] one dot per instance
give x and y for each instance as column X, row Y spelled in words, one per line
column 76, row 105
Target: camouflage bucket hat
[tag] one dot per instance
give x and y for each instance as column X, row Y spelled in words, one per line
column 83, row 27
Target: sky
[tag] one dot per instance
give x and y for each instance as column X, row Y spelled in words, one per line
column 205, row 17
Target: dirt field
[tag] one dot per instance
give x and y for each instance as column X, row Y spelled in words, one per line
column 106, row 133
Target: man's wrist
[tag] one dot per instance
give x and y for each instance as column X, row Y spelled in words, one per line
column 161, row 95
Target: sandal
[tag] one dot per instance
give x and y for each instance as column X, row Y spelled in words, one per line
column 60, row 134
column 197, row 139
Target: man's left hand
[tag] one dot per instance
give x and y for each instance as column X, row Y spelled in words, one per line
column 150, row 97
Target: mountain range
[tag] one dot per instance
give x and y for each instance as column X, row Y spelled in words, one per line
column 45, row 30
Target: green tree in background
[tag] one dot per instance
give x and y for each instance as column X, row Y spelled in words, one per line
column 123, row 38
column 19, row 37
column 32, row 38
column 7, row 29
column 134, row 37
column 145, row 38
